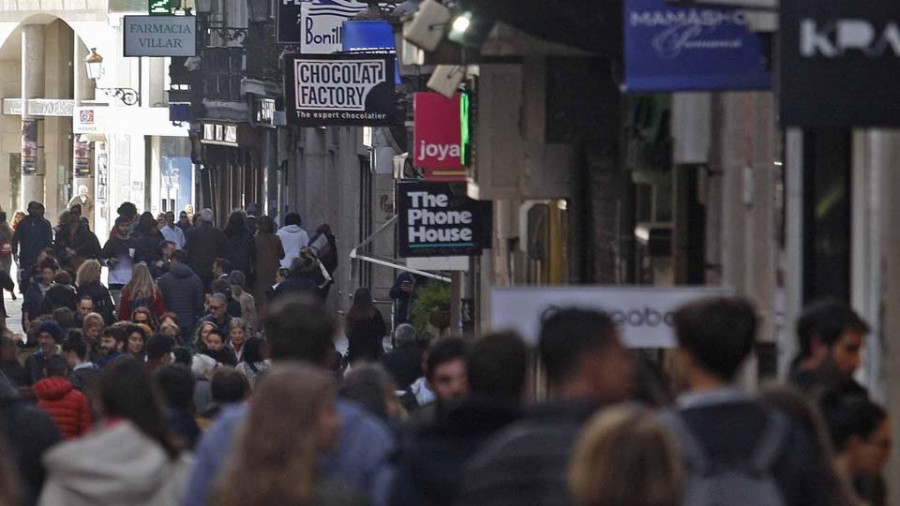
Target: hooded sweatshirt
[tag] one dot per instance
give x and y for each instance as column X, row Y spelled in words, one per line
column 293, row 239
column 114, row 466
column 68, row 407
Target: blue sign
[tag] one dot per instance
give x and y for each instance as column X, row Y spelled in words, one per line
column 691, row 48
column 370, row 36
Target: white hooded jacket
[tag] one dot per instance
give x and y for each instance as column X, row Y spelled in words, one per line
column 114, row 466
column 293, row 239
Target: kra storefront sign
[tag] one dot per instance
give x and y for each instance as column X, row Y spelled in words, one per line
column 839, row 61
column 438, row 137
column 438, row 219
column 160, row 35
column 349, row 90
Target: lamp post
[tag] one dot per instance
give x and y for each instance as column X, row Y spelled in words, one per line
column 94, row 64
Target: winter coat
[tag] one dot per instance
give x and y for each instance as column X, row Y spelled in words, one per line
column 127, row 305
column 114, row 466
column 269, row 253
column 293, row 239
column 31, row 236
column 86, row 379
column 182, row 292
column 241, row 251
column 117, row 248
column 103, row 303
column 205, row 243
column 57, row 296
column 146, row 247
column 36, row 366
column 29, row 432
column 365, row 337
column 68, row 407
column 34, row 298
column 84, row 242
column 301, row 283
column 402, row 300
column 404, row 363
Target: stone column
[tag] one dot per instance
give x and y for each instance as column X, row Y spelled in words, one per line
column 83, row 165
column 32, row 87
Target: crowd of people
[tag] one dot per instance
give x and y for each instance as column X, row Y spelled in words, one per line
column 206, row 372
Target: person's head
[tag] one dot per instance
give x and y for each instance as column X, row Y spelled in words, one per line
column 56, row 366
column 202, row 332
column 123, row 226
column 324, row 229
column 370, row 386
column 137, row 340
column 715, row 336
column 362, row 308
column 445, row 369
column 35, row 209
column 583, row 356
column 218, row 304
column 405, row 335
column 206, row 216
column 141, row 284
column 228, row 386
column 65, row 317
column 49, row 335
column 215, row 339
column 88, row 273
column 170, row 218
column 407, row 282
column 183, row 216
column 74, row 351
column 625, row 456
column 160, row 220
column 143, row 316
column 831, row 332
column 221, row 266
column 292, row 219
column 254, row 350
column 159, row 348
column 91, row 325
column 236, row 223
column 166, row 248
column 237, row 332
column 48, row 268
column 179, row 256
column 236, row 281
column 113, row 339
column 282, row 274
column 128, row 211
column 265, row 225
column 176, row 382
column 18, row 217
column 860, row 431
column 75, row 214
column 146, row 223
column 298, row 315
column 183, row 356
column 127, row 391
column 83, row 190
column 497, row 365
column 62, row 278
column 168, row 319
column 257, row 472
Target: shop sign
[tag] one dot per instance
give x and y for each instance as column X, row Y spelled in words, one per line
column 160, row 35
column 315, row 25
column 219, row 133
column 838, row 60
column 83, row 156
column 439, row 220
column 644, row 315
column 29, row 146
column 684, row 48
column 160, row 7
column 348, row 89
column 264, row 111
column 86, row 120
column 437, row 131
column 39, row 107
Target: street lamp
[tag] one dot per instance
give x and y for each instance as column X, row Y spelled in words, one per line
column 94, row 64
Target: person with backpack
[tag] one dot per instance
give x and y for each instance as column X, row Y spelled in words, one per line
column 735, row 451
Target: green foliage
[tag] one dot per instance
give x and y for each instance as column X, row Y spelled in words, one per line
column 434, row 296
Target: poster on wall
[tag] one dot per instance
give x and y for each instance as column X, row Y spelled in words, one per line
column 83, row 156
column 440, row 220
column 339, row 89
column 29, row 146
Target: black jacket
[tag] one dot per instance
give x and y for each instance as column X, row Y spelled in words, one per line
column 205, row 243
column 404, row 363
column 182, row 293
column 241, row 251
column 103, row 303
column 84, row 242
column 31, row 236
column 303, row 283
column 365, row 337
column 402, row 300
column 57, row 296
column 146, row 247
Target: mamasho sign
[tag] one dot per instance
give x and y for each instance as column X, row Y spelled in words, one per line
column 438, row 220
column 350, row 90
column 838, row 63
column 160, row 35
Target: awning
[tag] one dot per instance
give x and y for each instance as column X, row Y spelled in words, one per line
column 393, row 263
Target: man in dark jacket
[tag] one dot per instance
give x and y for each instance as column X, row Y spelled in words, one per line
column 49, row 336
column 60, row 294
column 403, row 292
column 404, row 362
column 182, row 292
column 33, row 234
column 74, row 241
column 205, row 243
column 301, row 280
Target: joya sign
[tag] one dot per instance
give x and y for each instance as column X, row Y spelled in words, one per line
column 160, row 35
column 437, row 133
column 436, row 221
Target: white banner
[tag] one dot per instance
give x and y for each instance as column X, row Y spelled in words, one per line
column 643, row 314
column 321, row 23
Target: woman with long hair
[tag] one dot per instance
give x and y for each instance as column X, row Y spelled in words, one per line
column 87, row 279
column 141, row 291
column 365, row 328
column 275, row 462
column 128, row 458
column 143, row 316
column 269, row 253
column 201, row 334
column 240, row 247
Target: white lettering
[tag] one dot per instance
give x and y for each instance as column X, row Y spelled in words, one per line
column 835, row 38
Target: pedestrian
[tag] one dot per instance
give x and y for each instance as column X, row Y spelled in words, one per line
column 403, row 293
column 404, row 361
column 182, row 293
column 88, row 282
column 625, row 457
column 128, row 212
column 18, row 217
column 6, row 249
column 83, row 200
column 159, row 351
column 176, row 382
column 136, row 342
column 112, row 343
column 445, row 377
column 227, row 388
column 370, row 386
column 232, row 305
column 60, row 294
column 254, row 359
column 240, row 247
column 203, row 330
column 118, row 255
column 67, row 407
column 48, row 338
column 32, row 235
column 164, row 259
column 146, row 240
column 255, row 475
column 587, row 368
column 9, row 363
column 141, row 291
column 6, row 284
column 218, row 311
column 236, row 281
column 215, row 347
column 34, row 295
column 184, row 223
column 301, row 279
column 324, row 245
column 129, row 459
column 75, row 243
column 84, row 375
column 365, row 328
column 293, row 238
column 718, row 426
column 143, row 316
column 205, row 243
column 220, row 268
column 269, row 253
column 237, row 337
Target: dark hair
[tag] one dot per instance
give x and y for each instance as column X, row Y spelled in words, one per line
column 127, row 391
column 217, row 331
column 324, row 229
column 75, row 345
column 368, row 385
column 127, row 210
column 224, row 263
column 292, row 219
column 294, row 315
column 180, row 256
column 252, row 351
column 117, row 331
column 183, row 355
column 63, row 278
column 85, row 296
column 228, row 386
column 146, row 223
column 122, row 220
column 718, row 333
column 496, row 366
column 56, row 366
column 265, row 224
column 236, row 278
column 850, row 415
column 49, row 263
column 164, row 244
column 568, row 335
column 158, row 346
column 220, row 286
column 131, row 328
column 176, row 382
column 442, row 351
column 363, row 308
column 236, row 224
column 827, row 320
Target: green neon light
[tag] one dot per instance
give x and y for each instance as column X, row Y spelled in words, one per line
column 464, row 137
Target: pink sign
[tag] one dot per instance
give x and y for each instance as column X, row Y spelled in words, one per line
column 437, row 135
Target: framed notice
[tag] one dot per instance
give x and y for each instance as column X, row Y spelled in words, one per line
column 440, row 220
column 160, row 35
column 339, row 89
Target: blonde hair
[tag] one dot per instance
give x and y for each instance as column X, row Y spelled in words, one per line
column 625, row 457
column 92, row 318
column 141, row 284
column 274, row 461
column 88, row 273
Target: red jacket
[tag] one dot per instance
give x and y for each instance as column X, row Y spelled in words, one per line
column 125, row 309
column 68, row 407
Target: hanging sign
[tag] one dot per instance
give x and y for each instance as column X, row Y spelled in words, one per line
column 29, row 146
column 674, row 48
column 161, row 7
column 315, row 25
column 439, row 220
column 839, row 63
column 160, row 35
column 84, row 154
column 339, row 89
column 437, row 145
